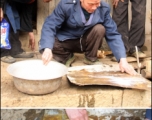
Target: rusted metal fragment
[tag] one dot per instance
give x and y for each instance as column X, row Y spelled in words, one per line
column 84, row 76
column 53, row 117
column 31, row 114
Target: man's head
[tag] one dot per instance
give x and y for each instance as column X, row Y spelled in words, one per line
column 90, row 5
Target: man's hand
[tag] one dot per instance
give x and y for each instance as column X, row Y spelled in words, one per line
column 125, row 67
column 115, row 3
column 77, row 114
column 47, row 0
column 1, row 14
column 46, row 56
column 31, row 41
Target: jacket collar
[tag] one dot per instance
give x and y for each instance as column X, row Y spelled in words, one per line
column 77, row 12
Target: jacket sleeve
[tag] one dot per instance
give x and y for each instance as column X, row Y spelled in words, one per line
column 50, row 27
column 113, row 38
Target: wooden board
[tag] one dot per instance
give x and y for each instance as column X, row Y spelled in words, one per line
column 101, row 75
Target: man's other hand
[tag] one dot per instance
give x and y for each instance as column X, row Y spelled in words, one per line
column 31, row 41
column 125, row 67
column 46, row 56
column 77, row 114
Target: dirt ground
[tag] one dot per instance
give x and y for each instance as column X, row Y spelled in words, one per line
column 69, row 95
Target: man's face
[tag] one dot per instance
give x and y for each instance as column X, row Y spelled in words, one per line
column 90, row 5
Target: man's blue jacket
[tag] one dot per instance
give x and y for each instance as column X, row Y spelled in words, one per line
column 66, row 23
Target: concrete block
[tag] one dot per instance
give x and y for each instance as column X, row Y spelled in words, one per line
column 136, row 98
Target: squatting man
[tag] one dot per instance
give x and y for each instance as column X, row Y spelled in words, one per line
column 80, row 26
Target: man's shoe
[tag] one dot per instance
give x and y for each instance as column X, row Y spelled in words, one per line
column 8, row 59
column 24, row 55
column 140, row 54
column 114, row 59
column 70, row 61
column 89, row 62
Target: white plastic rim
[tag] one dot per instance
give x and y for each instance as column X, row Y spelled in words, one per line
column 35, row 70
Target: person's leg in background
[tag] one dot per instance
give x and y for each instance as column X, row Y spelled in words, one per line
column 25, row 12
column 7, row 54
column 120, row 16
column 16, row 51
column 26, row 21
column 137, row 28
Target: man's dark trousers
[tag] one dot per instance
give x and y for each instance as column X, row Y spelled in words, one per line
column 88, row 44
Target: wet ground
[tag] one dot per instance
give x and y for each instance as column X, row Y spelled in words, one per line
column 60, row 114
